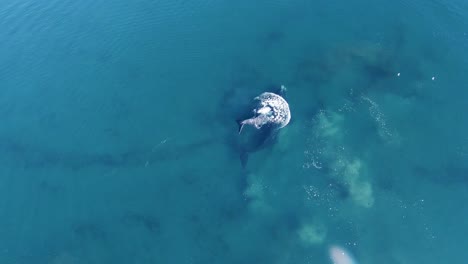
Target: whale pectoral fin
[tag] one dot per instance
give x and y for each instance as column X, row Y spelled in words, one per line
column 240, row 123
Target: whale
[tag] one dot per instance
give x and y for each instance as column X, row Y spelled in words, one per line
column 269, row 112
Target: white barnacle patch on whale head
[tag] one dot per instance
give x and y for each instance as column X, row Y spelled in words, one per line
column 264, row 110
column 272, row 109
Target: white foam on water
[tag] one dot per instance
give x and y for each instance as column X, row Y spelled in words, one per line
column 379, row 117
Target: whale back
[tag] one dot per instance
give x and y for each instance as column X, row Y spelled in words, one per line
column 253, row 140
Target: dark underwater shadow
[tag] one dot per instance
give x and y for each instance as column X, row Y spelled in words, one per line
column 89, row 230
column 151, row 223
column 31, row 156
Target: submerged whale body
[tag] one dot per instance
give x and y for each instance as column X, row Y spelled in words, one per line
column 270, row 114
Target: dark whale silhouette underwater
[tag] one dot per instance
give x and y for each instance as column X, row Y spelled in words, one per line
column 259, row 119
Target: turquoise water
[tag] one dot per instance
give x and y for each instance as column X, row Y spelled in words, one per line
column 118, row 141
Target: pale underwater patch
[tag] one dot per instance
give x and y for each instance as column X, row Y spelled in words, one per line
column 326, row 128
column 360, row 190
column 328, row 148
column 312, row 233
column 329, row 124
column 255, row 193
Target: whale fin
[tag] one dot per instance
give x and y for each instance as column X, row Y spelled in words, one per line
column 240, row 123
column 283, row 90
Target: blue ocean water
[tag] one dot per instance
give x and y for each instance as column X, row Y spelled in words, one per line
column 118, row 140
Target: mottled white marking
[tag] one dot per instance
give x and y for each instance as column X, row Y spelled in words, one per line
column 271, row 109
column 264, row 110
column 281, row 114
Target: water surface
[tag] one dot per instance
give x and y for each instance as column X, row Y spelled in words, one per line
column 118, row 139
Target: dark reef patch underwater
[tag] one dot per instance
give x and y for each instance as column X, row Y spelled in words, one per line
column 119, row 141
